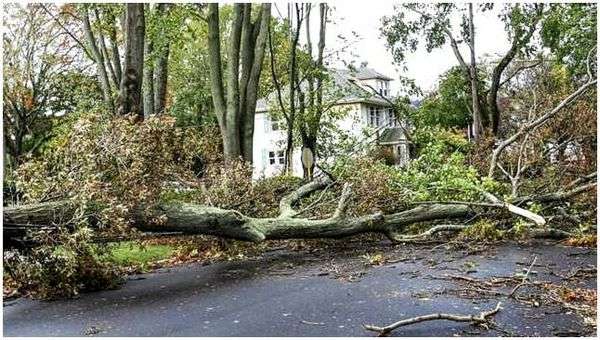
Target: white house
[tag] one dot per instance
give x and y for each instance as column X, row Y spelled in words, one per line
column 363, row 94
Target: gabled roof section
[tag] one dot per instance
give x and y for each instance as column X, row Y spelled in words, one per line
column 346, row 89
column 392, row 136
column 365, row 73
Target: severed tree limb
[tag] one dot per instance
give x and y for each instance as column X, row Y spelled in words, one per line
column 432, row 231
column 556, row 196
column 524, row 281
column 537, row 219
column 189, row 218
column 477, row 319
column 582, row 179
column 286, row 204
column 535, row 123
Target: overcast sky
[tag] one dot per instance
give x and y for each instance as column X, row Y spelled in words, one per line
column 365, row 18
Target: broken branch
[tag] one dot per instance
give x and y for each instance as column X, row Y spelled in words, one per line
column 478, row 319
column 524, row 281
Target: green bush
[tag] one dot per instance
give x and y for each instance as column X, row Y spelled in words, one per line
column 66, row 264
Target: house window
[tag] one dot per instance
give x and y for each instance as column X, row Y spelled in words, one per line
column 391, row 118
column 276, row 157
column 383, row 88
column 375, row 117
column 275, row 125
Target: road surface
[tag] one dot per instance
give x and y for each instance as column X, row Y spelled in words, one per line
column 328, row 292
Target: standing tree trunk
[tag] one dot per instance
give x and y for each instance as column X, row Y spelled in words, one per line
column 148, row 69
column 161, row 68
column 99, row 60
column 130, row 100
column 232, row 113
column 477, row 117
column 236, row 108
column 309, row 129
column 114, row 46
column 519, row 40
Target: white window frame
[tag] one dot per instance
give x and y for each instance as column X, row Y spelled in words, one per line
column 276, row 157
column 274, row 124
column 374, row 116
column 392, row 121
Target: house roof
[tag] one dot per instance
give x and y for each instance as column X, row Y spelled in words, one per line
column 365, row 73
column 392, row 136
column 345, row 90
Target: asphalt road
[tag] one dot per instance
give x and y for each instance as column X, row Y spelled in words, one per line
column 324, row 293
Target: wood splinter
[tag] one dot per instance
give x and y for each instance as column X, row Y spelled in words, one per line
column 477, row 319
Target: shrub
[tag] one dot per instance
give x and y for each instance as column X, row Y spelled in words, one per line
column 115, row 163
column 441, row 172
column 105, row 166
column 373, row 186
column 483, row 230
column 66, row 264
column 232, row 187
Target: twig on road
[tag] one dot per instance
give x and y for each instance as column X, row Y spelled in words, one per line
column 477, row 319
column 524, row 281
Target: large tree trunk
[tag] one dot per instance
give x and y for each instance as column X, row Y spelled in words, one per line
column 215, row 66
column 232, row 132
column 189, row 218
column 519, row 40
column 236, row 108
column 477, row 116
column 99, row 60
column 161, row 68
column 148, row 69
column 130, row 100
column 196, row 219
column 260, row 35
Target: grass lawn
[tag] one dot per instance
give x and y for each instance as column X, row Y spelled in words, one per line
column 132, row 254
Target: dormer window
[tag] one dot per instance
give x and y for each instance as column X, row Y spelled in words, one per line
column 383, row 87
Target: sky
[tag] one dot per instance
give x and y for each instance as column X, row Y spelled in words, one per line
column 365, row 19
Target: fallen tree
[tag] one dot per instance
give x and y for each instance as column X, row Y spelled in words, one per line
column 198, row 219
column 190, row 219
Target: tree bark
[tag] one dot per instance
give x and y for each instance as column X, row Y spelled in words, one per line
column 518, row 42
column 235, row 108
column 477, row 118
column 130, row 99
column 231, row 143
column 196, row 219
column 148, row 70
column 161, row 69
column 215, row 66
column 99, row 60
column 260, row 34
